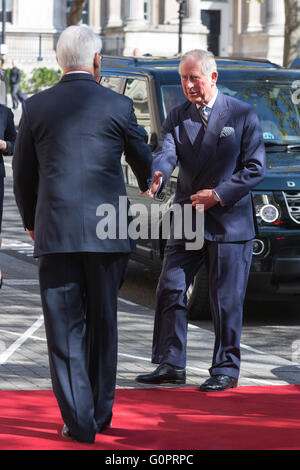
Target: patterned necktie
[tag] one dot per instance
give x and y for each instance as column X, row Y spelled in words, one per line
column 204, row 117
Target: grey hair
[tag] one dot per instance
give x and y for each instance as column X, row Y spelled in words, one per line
column 77, row 46
column 205, row 58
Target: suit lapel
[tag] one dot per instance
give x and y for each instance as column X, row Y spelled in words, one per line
column 216, row 122
column 192, row 125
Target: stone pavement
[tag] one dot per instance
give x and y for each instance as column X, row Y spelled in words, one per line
column 23, row 349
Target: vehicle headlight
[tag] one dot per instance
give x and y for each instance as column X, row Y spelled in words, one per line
column 266, row 209
column 269, row 213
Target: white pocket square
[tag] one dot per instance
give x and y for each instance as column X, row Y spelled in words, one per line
column 226, row 131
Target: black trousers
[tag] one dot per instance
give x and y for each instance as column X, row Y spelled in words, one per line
column 1, row 200
column 14, row 94
column 79, row 293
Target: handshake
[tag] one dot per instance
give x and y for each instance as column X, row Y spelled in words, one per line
column 202, row 200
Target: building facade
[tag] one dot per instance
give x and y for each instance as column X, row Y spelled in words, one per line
column 227, row 27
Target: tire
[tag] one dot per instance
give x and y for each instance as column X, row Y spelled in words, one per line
column 198, row 296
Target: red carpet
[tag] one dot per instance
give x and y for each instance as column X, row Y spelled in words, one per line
column 246, row 418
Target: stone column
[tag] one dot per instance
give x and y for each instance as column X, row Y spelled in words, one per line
column 95, row 15
column 254, row 17
column 171, row 8
column 135, row 17
column 275, row 30
column 275, row 17
column 192, row 20
column 114, row 15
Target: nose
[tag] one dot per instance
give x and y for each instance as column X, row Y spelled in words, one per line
column 189, row 84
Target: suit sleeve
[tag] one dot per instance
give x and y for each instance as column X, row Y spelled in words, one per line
column 10, row 133
column 165, row 157
column 25, row 173
column 137, row 153
column 252, row 164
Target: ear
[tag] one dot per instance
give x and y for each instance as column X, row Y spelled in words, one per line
column 214, row 77
column 97, row 60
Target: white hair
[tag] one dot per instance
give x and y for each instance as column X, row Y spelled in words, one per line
column 205, row 58
column 77, row 46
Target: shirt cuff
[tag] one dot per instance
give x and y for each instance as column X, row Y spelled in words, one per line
column 218, row 198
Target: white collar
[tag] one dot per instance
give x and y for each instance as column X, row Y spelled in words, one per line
column 211, row 102
column 78, row 71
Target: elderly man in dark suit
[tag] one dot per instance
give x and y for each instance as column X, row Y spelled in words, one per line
column 217, row 141
column 67, row 165
column 7, row 141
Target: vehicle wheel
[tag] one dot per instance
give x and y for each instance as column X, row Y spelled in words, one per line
column 198, row 296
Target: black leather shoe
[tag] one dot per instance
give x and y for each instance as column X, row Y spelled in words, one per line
column 218, row 383
column 164, row 373
column 67, row 435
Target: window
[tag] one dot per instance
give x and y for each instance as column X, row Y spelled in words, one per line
column 137, row 90
column 147, row 10
column 278, row 114
column 114, row 83
column 85, row 11
column 9, row 11
column 172, row 95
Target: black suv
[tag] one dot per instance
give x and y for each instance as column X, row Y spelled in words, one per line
column 154, row 86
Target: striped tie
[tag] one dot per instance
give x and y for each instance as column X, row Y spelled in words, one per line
column 203, row 114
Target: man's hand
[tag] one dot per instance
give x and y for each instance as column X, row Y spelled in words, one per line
column 31, row 234
column 206, row 198
column 3, row 145
column 155, row 183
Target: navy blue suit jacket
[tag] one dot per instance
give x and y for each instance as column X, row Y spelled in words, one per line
column 7, row 133
column 67, row 162
column 231, row 165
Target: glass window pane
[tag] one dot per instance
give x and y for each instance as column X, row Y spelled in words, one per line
column 172, row 95
column 138, row 92
column 274, row 105
column 114, row 83
column 8, row 5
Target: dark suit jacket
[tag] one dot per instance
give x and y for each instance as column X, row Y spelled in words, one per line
column 67, row 161
column 231, row 165
column 7, row 133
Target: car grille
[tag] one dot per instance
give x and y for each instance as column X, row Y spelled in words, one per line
column 292, row 200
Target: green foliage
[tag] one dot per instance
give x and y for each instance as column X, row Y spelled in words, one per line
column 40, row 79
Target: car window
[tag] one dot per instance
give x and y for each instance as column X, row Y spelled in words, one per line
column 274, row 105
column 137, row 90
column 277, row 111
column 172, row 95
column 114, row 83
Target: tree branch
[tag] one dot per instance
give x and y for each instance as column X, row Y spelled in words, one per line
column 74, row 15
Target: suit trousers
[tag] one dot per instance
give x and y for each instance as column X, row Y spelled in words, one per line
column 1, row 200
column 79, row 293
column 228, row 268
column 14, row 94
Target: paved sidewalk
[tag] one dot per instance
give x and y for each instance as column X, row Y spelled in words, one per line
column 23, row 349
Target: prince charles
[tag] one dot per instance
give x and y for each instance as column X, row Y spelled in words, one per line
column 217, row 142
